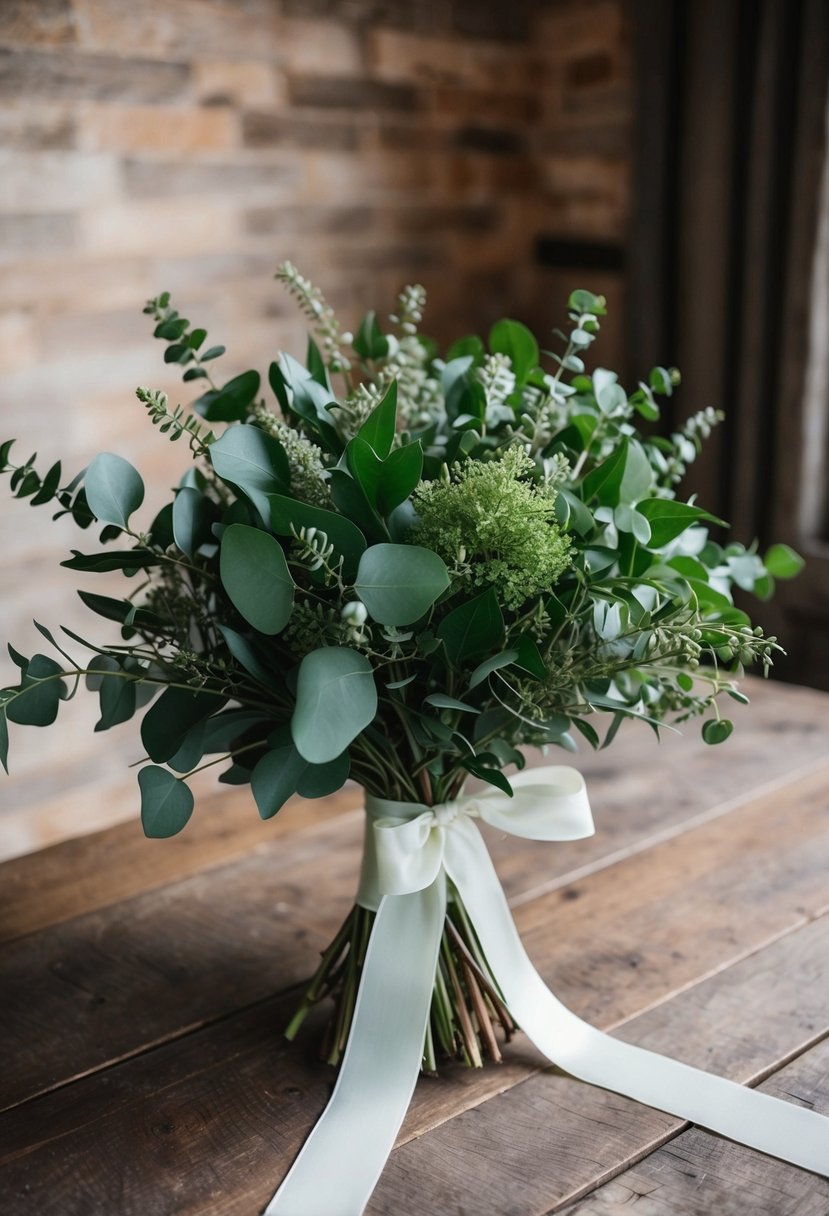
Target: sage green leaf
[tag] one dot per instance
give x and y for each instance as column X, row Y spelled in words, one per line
column 193, row 515
column 628, row 519
column 335, row 700
column 515, row 340
column 118, row 610
column 116, row 693
column 441, row 701
column 669, row 518
column 114, row 489
column 492, row 664
column 473, row 629
column 166, row 802
column 638, row 477
column 783, row 562
column 288, row 515
column 399, row 583
column 4, row 739
column 253, row 462
column 379, row 428
column 169, row 719
column 41, row 692
column 255, row 576
column 320, row 780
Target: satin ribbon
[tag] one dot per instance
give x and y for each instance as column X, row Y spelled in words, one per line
column 411, row 850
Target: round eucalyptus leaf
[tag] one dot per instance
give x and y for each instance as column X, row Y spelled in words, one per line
column 335, row 699
column 398, row 583
column 166, row 802
column 255, row 575
column 717, row 730
column 114, row 489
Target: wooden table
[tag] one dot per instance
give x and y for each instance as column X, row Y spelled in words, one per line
column 145, row 983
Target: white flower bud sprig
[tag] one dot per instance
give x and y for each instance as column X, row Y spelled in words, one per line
column 312, row 551
column 319, row 311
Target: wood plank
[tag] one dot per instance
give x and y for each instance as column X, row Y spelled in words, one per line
column 533, row 1149
column 207, row 1124
column 131, row 975
column 783, row 731
column 697, row 1173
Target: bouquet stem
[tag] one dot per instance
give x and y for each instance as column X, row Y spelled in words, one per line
column 466, row 1004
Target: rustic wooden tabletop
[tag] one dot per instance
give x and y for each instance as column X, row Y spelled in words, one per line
column 144, row 985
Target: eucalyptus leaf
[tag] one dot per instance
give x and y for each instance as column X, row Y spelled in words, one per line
column 489, row 665
column 166, row 802
column 4, row 739
column 193, row 516
column 335, row 700
column 288, row 516
column 114, row 489
column 473, row 628
column 168, row 720
column 513, row 339
column 783, row 562
column 399, row 583
column 255, row 576
column 252, row 461
column 441, row 701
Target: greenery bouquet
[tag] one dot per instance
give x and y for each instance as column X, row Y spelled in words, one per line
column 400, row 568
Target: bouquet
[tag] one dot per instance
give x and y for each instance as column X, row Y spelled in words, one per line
column 401, row 567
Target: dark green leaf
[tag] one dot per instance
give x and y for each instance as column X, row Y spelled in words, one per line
column 399, row 583
column 370, row 342
column 213, row 353
column 166, row 802
column 114, row 489
column 379, row 428
column 115, row 559
column 279, row 386
column 605, row 481
column 117, row 697
column 473, row 629
column 4, row 740
column 336, row 699
column 38, row 702
column 400, row 473
column 283, row 772
column 349, row 543
column 168, row 721
column 530, row 658
column 493, row 776
column 470, row 345
column 255, row 576
column 351, row 501
column 248, row 656
column 48, row 486
column 717, row 730
column 229, row 403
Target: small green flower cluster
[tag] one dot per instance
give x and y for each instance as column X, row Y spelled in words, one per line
column 494, row 527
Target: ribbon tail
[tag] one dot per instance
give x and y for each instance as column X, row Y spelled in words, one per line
column 343, row 1157
column 757, row 1120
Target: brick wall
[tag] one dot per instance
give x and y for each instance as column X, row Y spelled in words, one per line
column 191, row 146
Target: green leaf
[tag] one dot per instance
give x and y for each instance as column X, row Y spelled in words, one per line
column 470, row 345
column 169, row 719
column 379, row 428
column 37, row 704
column 668, row 519
column 473, row 629
column 399, row 583
column 350, row 499
column 193, row 515
column 114, row 559
column 783, row 562
column 441, row 701
column 515, row 340
column 117, row 695
column 717, row 730
column 585, row 301
column 4, row 739
column 492, row 664
column 248, row 657
column 114, row 489
column 335, row 700
column 229, row 403
column 530, row 658
column 253, row 462
column 370, row 342
column 628, row 519
column 638, row 475
column 493, row 776
column 605, row 481
column 316, row 364
column 347, row 539
column 283, row 772
column 213, row 353
column 255, row 576
column 118, row 610
column 400, row 474
column 166, row 802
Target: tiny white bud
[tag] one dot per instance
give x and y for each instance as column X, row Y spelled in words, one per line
column 354, row 613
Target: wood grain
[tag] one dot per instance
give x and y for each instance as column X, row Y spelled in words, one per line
column 785, row 730
column 544, row 1142
column 697, row 1174
column 201, row 1125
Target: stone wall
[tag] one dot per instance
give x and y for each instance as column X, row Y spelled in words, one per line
column 191, row 146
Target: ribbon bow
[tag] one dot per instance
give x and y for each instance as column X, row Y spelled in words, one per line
column 408, row 851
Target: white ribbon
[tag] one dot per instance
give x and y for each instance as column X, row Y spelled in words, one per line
column 410, row 850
